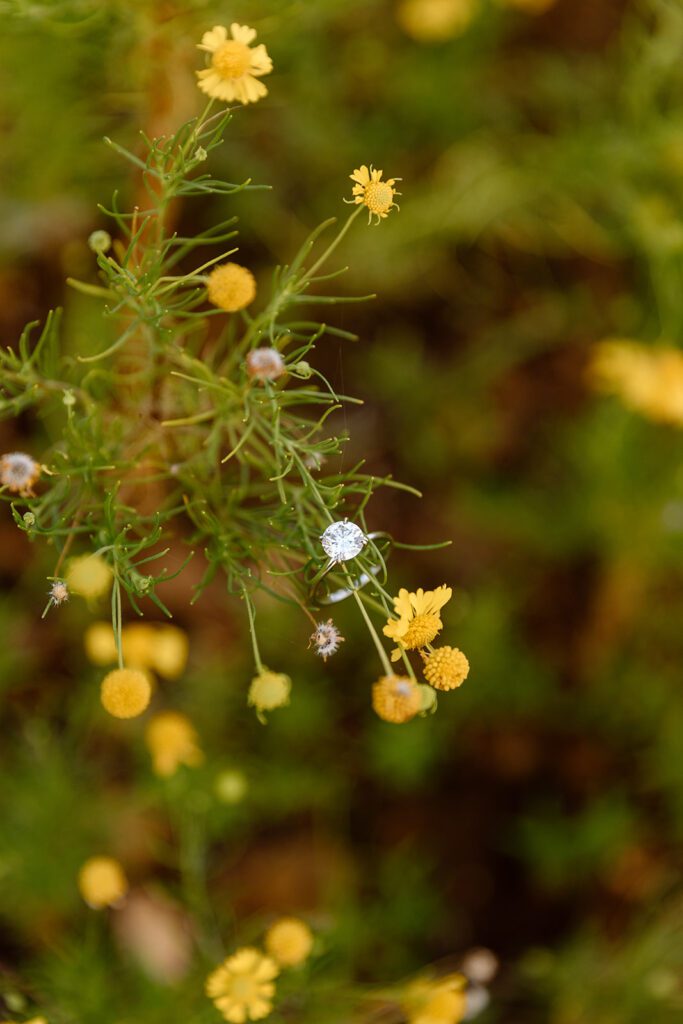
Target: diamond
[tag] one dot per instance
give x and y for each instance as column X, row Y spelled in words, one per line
column 343, row 540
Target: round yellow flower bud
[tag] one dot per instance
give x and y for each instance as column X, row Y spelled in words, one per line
column 289, row 941
column 89, row 575
column 137, row 641
column 169, row 653
column 125, row 692
column 269, row 690
column 102, row 882
column 446, row 668
column 231, row 787
column 100, row 644
column 396, row 699
column 433, row 21
column 231, row 287
column 172, row 740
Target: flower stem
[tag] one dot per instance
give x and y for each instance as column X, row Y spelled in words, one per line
column 368, row 622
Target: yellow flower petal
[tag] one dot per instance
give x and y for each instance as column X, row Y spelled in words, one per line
column 242, row 33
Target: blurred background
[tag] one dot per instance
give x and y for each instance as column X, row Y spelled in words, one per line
column 539, row 813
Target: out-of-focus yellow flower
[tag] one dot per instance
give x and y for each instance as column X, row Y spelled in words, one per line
column 434, row 21
column 137, row 643
column 235, row 66
column 231, row 287
column 125, row 692
column 419, row 621
column 436, row 1002
column 371, row 191
column 445, row 668
column 18, row 473
column 99, row 642
column 243, row 987
column 231, row 787
column 89, row 575
column 172, row 740
column 102, row 882
column 33, row 1020
column 269, row 690
column 396, row 699
column 170, row 651
column 161, row 647
column 289, row 941
column 529, row 6
column 648, row 380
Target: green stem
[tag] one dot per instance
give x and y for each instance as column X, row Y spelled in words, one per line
column 373, row 632
column 332, row 246
column 252, row 629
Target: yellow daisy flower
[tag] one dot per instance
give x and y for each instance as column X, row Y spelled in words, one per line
column 419, row 621
column 235, row 66
column 242, row 988
column 374, row 193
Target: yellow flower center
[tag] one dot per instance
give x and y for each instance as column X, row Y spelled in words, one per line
column 379, row 196
column 445, row 668
column 243, row 989
column 421, row 631
column 232, row 59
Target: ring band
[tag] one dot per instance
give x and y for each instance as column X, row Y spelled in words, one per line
column 335, row 596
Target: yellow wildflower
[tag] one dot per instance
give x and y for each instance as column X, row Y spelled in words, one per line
column 445, row 668
column 235, row 67
column 231, row 287
column 172, row 740
column 18, row 473
column 269, row 690
column 125, row 692
column 231, row 787
column 374, row 193
column 289, row 941
column 89, row 576
column 169, row 652
column 102, row 882
column 242, row 988
column 396, row 699
column 648, row 379
column 100, row 644
column 436, row 1002
column 434, row 21
column 419, row 621
column 33, row 1020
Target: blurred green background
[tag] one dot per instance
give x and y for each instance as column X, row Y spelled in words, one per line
column 540, row 811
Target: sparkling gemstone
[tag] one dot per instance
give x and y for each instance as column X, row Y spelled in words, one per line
column 343, row 541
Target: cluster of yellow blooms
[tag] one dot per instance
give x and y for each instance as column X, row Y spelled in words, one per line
column 399, row 698
column 243, row 986
column 648, row 379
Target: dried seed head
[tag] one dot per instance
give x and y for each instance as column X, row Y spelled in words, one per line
column 265, row 364
column 326, row 639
